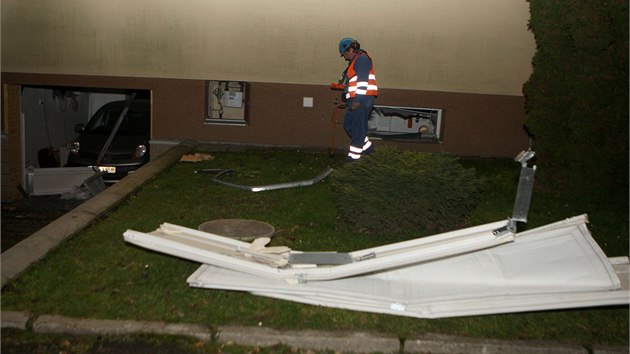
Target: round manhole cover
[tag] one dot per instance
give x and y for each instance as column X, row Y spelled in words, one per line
column 240, row 229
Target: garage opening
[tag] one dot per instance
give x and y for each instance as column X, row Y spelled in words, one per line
column 56, row 119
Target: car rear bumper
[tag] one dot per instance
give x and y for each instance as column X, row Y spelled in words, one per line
column 113, row 172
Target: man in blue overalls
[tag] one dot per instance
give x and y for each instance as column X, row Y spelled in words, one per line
column 360, row 92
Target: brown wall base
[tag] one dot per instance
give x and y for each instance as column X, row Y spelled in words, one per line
column 473, row 124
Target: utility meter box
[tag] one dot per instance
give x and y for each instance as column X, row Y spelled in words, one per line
column 226, row 102
column 233, row 99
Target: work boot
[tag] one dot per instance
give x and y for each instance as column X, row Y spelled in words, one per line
column 369, row 150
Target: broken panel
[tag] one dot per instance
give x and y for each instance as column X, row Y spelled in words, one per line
column 266, row 262
column 557, row 266
column 405, row 123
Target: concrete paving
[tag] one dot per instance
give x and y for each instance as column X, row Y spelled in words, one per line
column 18, row 258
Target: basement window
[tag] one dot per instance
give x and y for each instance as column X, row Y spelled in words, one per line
column 406, row 124
column 227, row 102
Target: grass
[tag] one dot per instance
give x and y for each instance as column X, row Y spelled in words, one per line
column 97, row 275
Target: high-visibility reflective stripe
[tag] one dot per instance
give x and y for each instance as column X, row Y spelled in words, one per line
column 368, row 88
column 356, row 150
column 354, row 156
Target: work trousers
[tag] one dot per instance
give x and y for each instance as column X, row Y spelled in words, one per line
column 355, row 122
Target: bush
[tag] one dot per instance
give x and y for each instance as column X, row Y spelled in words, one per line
column 392, row 191
column 577, row 96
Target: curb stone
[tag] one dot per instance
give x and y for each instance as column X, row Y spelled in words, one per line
column 78, row 326
column 353, row 342
column 604, row 349
column 14, row 319
column 433, row 343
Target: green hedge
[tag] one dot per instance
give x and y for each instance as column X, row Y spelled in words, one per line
column 392, row 191
column 577, row 96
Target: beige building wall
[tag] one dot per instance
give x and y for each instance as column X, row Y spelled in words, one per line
column 480, row 46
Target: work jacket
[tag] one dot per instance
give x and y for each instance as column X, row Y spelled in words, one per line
column 356, row 87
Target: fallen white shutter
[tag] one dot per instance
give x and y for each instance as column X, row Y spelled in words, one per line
column 241, row 256
column 553, row 267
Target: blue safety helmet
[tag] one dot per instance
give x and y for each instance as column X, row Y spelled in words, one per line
column 344, row 45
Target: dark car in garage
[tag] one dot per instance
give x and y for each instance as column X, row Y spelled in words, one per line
column 128, row 149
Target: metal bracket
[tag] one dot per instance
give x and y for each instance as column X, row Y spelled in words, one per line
column 524, row 156
column 508, row 228
column 320, row 258
column 523, row 193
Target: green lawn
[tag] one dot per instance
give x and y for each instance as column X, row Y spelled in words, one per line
column 96, row 274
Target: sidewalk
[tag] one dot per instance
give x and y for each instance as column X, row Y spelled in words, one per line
column 21, row 256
